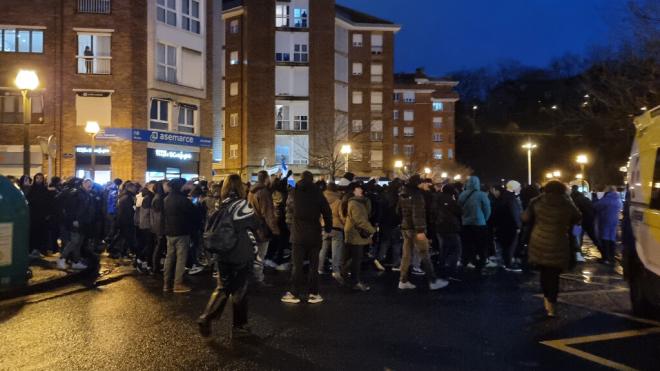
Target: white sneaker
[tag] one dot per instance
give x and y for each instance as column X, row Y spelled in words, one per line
column 579, row 257
column 417, row 271
column 79, row 266
column 438, row 284
column 195, row 269
column 378, row 265
column 492, row 263
column 337, row 276
column 270, row 264
column 61, row 264
column 290, row 298
column 314, row 299
column 396, row 269
column 406, row 286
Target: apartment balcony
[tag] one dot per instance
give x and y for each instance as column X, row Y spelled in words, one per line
column 90, row 65
column 94, row 6
column 376, row 136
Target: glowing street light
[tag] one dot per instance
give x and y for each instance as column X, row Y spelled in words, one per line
column 475, row 107
column 398, row 164
column 548, row 175
column 556, row 174
column 26, row 80
column 346, row 151
column 579, row 176
column 554, row 107
column 582, row 160
column 457, row 177
column 427, row 171
column 529, row 146
column 444, row 175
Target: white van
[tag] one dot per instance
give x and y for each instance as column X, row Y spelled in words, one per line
column 642, row 261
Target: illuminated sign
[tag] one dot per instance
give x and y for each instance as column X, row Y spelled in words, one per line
column 173, row 154
column 97, row 150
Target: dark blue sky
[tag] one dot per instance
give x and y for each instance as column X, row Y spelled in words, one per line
column 448, row 35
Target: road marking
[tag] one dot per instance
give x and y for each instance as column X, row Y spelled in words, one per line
column 564, row 345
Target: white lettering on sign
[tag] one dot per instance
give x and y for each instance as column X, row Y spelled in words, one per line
column 6, row 242
column 176, row 138
column 174, row 154
column 97, row 150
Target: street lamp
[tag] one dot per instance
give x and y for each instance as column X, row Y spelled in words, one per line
column 548, row 175
column 556, row 174
column 26, row 80
column 427, row 171
column 582, row 160
column 579, row 177
column 444, row 175
column 92, row 128
column 529, row 146
column 457, row 177
column 346, row 151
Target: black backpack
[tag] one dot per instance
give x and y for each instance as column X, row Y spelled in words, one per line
column 220, row 235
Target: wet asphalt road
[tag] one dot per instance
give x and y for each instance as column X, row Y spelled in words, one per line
column 480, row 323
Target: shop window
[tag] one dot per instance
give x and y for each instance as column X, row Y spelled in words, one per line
column 166, row 11
column 190, row 19
column 14, row 40
column 159, row 115
column 187, row 119
column 166, row 58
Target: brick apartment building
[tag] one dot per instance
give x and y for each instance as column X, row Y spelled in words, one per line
column 423, row 130
column 137, row 67
column 297, row 87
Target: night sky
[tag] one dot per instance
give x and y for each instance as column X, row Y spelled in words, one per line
column 449, row 35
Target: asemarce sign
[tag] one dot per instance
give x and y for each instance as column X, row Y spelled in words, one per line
column 152, row 136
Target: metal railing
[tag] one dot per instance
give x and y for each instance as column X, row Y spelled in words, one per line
column 90, row 65
column 94, row 6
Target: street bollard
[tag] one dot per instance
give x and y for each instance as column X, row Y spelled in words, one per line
column 14, row 235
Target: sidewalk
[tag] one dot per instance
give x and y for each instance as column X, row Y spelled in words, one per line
column 46, row 276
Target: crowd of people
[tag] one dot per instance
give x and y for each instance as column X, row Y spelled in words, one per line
column 237, row 230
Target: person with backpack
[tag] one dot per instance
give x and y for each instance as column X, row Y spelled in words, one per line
column 261, row 200
column 305, row 207
column 230, row 236
column 476, row 211
column 447, row 215
column 179, row 216
column 413, row 227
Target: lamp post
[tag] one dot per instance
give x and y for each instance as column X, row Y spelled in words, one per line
column 582, row 160
column 427, row 171
column 398, row 165
column 26, row 80
column 346, row 151
column 92, row 128
column 529, row 146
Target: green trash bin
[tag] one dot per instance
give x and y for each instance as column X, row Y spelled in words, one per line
column 14, row 235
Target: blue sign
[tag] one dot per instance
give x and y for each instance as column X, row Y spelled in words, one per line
column 156, row 137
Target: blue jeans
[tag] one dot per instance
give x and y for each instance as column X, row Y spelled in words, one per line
column 175, row 261
column 335, row 243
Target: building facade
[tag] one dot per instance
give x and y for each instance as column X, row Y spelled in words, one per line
column 423, row 129
column 136, row 67
column 290, row 91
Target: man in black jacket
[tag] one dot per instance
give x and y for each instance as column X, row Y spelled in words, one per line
column 305, row 206
column 125, row 222
column 447, row 219
column 80, row 221
column 179, row 214
column 586, row 207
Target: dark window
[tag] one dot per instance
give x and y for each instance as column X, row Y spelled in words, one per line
column 655, row 189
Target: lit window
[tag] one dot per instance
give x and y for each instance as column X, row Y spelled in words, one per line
column 357, row 97
column 396, row 114
column 376, row 72
column 300, row 123
column 190, row 20
column 233, row 58
column 233, row 89
column 438, row 106
column 357, row 40
column 376, row 43
column 300, row 18
column 281, row 16
column 233, row 151
column 408, row 131
column 187, row 119
column 94, row 53
column 408, row 115
column 377, row 101
column 22, row 41
column 233, row 26
column 166, row 57
column 282, row 117
column 233, row 120
column 300, row 53
column 166, row 11
column 159, row 114
column 437, row 154
column 395, row 131
column 356, row 126
column 357, row 69
column 437, row 122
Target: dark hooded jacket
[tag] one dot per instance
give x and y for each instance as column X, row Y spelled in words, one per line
column 157, row 209
column 412, row 209
column 125, row 211
column 179, row 211
column 305, row 207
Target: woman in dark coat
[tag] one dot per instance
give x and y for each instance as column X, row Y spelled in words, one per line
column 551, row 216
column 158, row 225
column 41, row 203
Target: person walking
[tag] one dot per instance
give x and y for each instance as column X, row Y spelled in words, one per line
column 448, row 228
column 125, row 241
column 234, row 263
column 333, row 243
column 551, row 217
column 358, row 232
column 261, row 200
column 179, row 214
column 476, row 211
column 305, row 207
column 507, row 223
column 608, row 209
column 413, row 227
column 80, row 222
column 389, row 231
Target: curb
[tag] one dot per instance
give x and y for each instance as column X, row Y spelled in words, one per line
column 18, row 291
